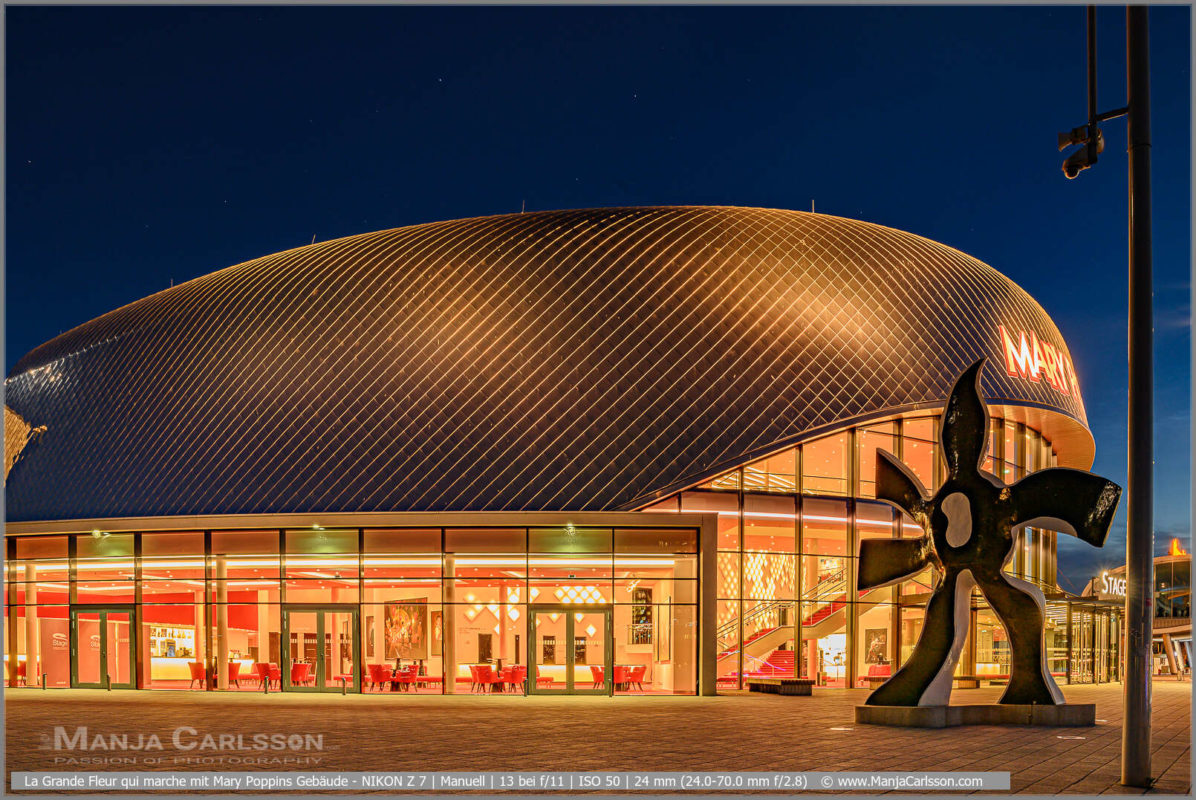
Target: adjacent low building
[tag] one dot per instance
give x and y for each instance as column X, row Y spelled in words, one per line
column 611, row 450
column 1172, row 626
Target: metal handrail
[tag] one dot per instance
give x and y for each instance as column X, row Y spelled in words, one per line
column 834, row 585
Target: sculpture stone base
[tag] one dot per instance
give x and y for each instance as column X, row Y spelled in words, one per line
column 1068, row 715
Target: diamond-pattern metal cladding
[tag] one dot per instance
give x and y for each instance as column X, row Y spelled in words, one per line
column 566, row 360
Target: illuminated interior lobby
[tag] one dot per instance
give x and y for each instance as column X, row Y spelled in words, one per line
column 609, row 451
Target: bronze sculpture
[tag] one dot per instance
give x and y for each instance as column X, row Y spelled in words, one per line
column 969, row 526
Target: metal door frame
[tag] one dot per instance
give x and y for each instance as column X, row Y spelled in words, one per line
column 568, row 610
column 320, row 609
column 105, row 678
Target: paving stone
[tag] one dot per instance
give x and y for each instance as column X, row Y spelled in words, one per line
column 741, row 732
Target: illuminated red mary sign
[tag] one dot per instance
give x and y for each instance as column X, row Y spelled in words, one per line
column 1032, row 359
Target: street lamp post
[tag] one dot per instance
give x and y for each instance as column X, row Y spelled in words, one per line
column 1139, row 540
column 1139, row 544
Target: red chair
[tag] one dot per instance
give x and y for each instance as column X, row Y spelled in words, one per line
column 234, row 673
column 276, row 674
column 636, row 675
column 21, row 674
column 597, row 675
column 621, row 678
column 197, row 673
column 379, row 675
column 517, row 677
column 262, row 671
column 404, row 678
column 487, row 677
column 299, row 674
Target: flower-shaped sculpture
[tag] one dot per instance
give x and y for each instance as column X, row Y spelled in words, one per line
column 969, row 532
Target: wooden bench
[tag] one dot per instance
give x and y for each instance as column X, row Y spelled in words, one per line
column 966, row 682
column 789, row 686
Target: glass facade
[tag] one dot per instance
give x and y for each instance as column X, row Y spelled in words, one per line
column 789, row 529
column 543, row 608
column 422, row 610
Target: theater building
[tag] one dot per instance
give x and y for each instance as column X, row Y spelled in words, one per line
column 597, row 451
column 1172, row 627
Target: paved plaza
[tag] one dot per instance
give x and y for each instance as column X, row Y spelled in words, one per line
column 384, row 732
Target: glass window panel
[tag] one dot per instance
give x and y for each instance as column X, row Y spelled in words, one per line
column 427, row 585
column 402, row 540
column 1033, row 450
column 769, row 576
column 172, row 591
column 414, row 565
column 726, row 481
column 824, row 464
column 1013, row 455
column 485, row 540
column 663, row 590
column 109, row 569
column 582, row 566
column 184, row 543
column 912, row 618
column 920, row 455
column 54, row 571
column 728, row 575
column 571, row 591
column 332, row 565
column 769, row 524
column 875, row 640
column 331, row 590
column 109, row 545
column 42, row 592
column 909, row 528
column 179, row 567
column 476, row 566
column 321, row 541
column 104, row 592
column 754, row 477
column 569, row 540
column 244, row 542
column 868, row 441
column 727, row 508
column 249, row 588
column 921, row 428
column 874, row 520
column 252, row 635
column 680, row 566
column 42, row 547
column 649, row 541
column 920, row 584
column 171, row 640
column 824, row 526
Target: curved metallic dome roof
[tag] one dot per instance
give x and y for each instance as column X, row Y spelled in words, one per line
column 565, row 360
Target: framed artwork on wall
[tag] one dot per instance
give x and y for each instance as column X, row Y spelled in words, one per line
column 437, row 633
column 407, row 629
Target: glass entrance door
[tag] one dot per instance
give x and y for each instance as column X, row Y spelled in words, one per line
column 571, row 650
column 320, row 649
column 102, row 648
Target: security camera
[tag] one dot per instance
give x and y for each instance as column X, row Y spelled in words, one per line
column 1079, row 161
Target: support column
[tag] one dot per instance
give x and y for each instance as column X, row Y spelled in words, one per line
column 221, row 622
column 708, row 607
column 449, row 623
column 32, row 678
column 1168, row 647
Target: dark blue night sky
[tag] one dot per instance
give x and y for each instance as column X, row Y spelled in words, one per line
column 150, row 146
